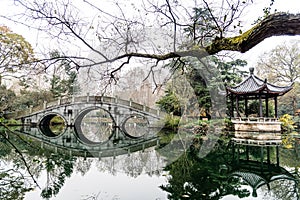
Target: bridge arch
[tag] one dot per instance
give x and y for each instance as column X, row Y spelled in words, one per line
column 46, row 125
column 135, row 126
column 95, row 125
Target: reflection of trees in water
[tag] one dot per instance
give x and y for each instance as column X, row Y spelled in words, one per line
column 211, row 177
column 58, row 166
column 281, row 190
column 189, row 176
column 22, row 162
column 83, row 165
column 133, row 164
column 15, row 179
column 14, row 182
column 193, row 178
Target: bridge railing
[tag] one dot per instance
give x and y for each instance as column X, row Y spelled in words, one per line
column 37, row 108
column 80, row 99
column 66, row 100
column 84, row 99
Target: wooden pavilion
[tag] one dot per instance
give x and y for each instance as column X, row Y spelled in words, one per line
column 254, row 88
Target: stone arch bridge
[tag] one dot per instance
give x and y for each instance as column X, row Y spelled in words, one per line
column 114, row 111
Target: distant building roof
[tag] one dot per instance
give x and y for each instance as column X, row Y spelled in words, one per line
column 254, row 85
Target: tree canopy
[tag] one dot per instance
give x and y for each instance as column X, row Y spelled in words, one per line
column 281, row 65
column 152, row 30
column 15, row 52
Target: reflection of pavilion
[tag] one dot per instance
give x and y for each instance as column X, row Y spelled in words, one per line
column 257, row 173
column 254, row 88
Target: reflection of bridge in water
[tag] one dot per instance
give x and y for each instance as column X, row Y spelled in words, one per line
column 69, row 142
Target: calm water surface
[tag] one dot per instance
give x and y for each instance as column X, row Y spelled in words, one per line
column 143, row 168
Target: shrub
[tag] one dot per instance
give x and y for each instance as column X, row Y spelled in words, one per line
column 171, row 122
column 287, row 123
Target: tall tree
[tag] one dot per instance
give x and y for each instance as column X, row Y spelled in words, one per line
column 15, row 53
column 231, row 73
column 281, row 66
column 63, row 80
column 7, row 97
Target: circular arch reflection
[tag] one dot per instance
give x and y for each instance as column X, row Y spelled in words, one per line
column 94, row 125
column 135, row 126
column 52, row 125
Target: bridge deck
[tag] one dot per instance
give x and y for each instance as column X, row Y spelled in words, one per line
column 84, row 99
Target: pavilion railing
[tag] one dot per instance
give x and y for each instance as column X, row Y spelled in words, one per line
column 255, row 119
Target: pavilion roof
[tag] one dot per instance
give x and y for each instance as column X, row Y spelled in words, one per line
column 254, row 85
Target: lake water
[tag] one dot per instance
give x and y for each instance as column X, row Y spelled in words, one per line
column 169, row 167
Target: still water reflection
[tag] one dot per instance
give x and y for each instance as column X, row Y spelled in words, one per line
column 34, row 167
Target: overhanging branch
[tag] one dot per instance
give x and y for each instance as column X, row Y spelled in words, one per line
column 274, row 25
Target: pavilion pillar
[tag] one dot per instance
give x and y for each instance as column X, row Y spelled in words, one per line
column 237, row 105
column 261, row 157
column 277, row 156
column 268, row 155
column 260, row 106
column 232, row 106
column 247, row 152
column 275, row 102
column 267, row 106
column 246, row 106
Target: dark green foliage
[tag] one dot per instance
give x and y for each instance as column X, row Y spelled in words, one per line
column 171, row 122
column 195, row 178
column 64, row 77
column 170, row 103
column 253, row 108
column 230, row 72
column 59, row 167
column 202, row 26
column 31, row 98
column 12, row 185
column 200, row 89
column 7, row 97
